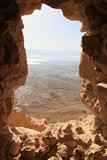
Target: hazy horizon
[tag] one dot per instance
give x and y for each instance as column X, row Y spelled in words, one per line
column 38, row 56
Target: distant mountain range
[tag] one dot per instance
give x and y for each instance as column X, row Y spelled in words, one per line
column 54, row 55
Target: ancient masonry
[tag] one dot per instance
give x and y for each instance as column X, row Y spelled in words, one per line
column 93, row 62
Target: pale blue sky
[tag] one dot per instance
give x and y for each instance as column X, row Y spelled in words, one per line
column 48, row 29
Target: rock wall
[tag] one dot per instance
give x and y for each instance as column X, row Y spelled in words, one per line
column 13, row 66
column 94, row 56
column 93, row 64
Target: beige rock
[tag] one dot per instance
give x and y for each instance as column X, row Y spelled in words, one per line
column 94, row 149
column 85, row 65
column 53, row 158
column 62, row 151
column 65, row 136
column 30, row 146
column 65, row 130
column 18, row 118
column 26, row 133
column 31, row 142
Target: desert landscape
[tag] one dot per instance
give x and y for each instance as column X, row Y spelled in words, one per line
column 52, row 91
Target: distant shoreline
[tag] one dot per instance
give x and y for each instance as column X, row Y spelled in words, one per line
column 37, row 56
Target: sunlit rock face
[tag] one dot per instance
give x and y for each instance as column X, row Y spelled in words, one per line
column 93, row 64
column 94, row 44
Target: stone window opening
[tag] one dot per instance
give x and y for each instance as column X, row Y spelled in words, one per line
column 45, row 89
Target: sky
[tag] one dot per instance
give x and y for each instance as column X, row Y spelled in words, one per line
column 48, row 29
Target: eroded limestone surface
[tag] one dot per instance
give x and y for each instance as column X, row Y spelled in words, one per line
column 93, row 64
column 74, row 140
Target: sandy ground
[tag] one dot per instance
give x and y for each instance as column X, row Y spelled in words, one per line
column 52, row 91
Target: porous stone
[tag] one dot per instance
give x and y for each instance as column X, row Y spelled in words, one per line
column 62, row 151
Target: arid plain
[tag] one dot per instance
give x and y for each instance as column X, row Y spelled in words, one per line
column 52, row 92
